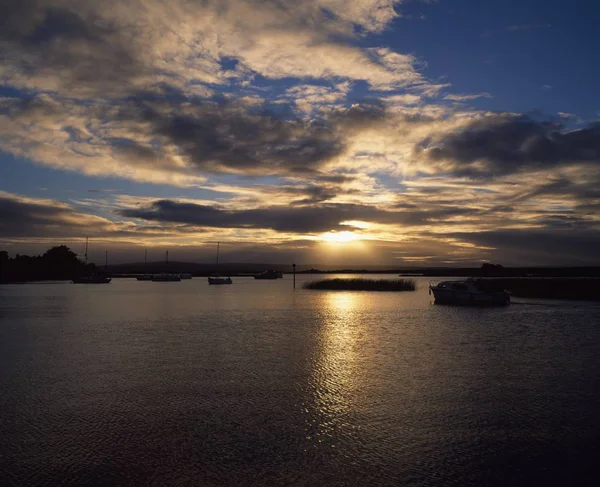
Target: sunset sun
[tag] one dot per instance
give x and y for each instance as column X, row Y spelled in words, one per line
column 339, row 237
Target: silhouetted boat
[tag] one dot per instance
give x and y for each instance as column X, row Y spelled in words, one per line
column 146, row 277
column 216, row 279
column 467, row 293
column 165, row 277
column 270, row 274
column 93, row 279
column 219, row 280
column 185, row 275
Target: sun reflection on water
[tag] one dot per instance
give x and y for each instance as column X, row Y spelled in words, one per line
column 336, row 373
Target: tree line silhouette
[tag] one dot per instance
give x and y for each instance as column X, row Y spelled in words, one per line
column 57, row 263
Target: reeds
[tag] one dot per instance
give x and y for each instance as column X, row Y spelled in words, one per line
column 360, row 284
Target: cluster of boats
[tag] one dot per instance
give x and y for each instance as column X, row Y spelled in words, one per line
column 215, row 280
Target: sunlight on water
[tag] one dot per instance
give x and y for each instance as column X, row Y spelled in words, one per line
column 254, row 384
column 335, row 373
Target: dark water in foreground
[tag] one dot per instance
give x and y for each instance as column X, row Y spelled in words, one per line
column 142, row 383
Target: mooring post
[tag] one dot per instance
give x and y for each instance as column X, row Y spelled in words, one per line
column 294, row 267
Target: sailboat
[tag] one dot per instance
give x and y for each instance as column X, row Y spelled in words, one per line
column 145, row 277
column 92, row 278
column 216, row 279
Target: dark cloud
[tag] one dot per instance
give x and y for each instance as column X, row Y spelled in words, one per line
column 67, row 42
column 295, row 219
column 507, row 144
column 282, row 218
column 27, row 218
column 21, row 218
column 227, row 138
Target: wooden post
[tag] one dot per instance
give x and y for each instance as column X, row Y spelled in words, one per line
column 294, row 267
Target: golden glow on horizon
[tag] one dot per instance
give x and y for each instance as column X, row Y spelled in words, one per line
column 339, row 237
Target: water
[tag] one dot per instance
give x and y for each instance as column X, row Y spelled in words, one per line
column 142, row 383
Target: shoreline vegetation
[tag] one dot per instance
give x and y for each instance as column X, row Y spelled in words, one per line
column 360, row 284
column 579, row 289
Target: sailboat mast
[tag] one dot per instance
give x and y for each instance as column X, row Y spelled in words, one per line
column 167, row 257
column 217, row 253
column 145, row 256
column 86, row 248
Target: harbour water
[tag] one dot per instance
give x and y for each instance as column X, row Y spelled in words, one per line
column 255, row 384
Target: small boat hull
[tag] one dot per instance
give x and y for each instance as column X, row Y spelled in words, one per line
column 464, row 298
column 219, row 280
column 92, row 280
column 268, row 275
column 166, row 278
column 145, row 278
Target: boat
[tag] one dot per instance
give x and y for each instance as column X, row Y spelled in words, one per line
column 185, row 275
column 166, row 277
column 468, row 292
column 92, row 278
column 219, row 280
column 216, row 279
column 270, row 274
column 145, row 277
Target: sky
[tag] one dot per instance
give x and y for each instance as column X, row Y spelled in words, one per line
column 338, row 132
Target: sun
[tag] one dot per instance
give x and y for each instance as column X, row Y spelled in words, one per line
column 339, row 237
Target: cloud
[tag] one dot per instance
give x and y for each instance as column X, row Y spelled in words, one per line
column 180, row 140
column 502, row 144
column 467, row 97
column 86, row 48
column 27, row 217
column 302, row 219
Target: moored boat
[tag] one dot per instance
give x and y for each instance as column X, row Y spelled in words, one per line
column 145, row 277
column 217, row 279
column 467, row 293
column 185, row 275
column 165, row 277
column 93, row 279
column 270, row 274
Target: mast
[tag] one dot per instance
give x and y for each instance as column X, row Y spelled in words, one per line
column 145, row 256
column 86, row 248
column 106, row 259
column 217, row 253
column 167, row 257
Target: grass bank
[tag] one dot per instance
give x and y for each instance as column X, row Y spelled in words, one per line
column 548, row 288
column 359, row 284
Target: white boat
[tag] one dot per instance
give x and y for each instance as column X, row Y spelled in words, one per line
column 166, row 277
column 468, row 292
column 216, row 279
column 185, row 275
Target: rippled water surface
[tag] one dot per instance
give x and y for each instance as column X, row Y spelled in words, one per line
column 142, row 383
